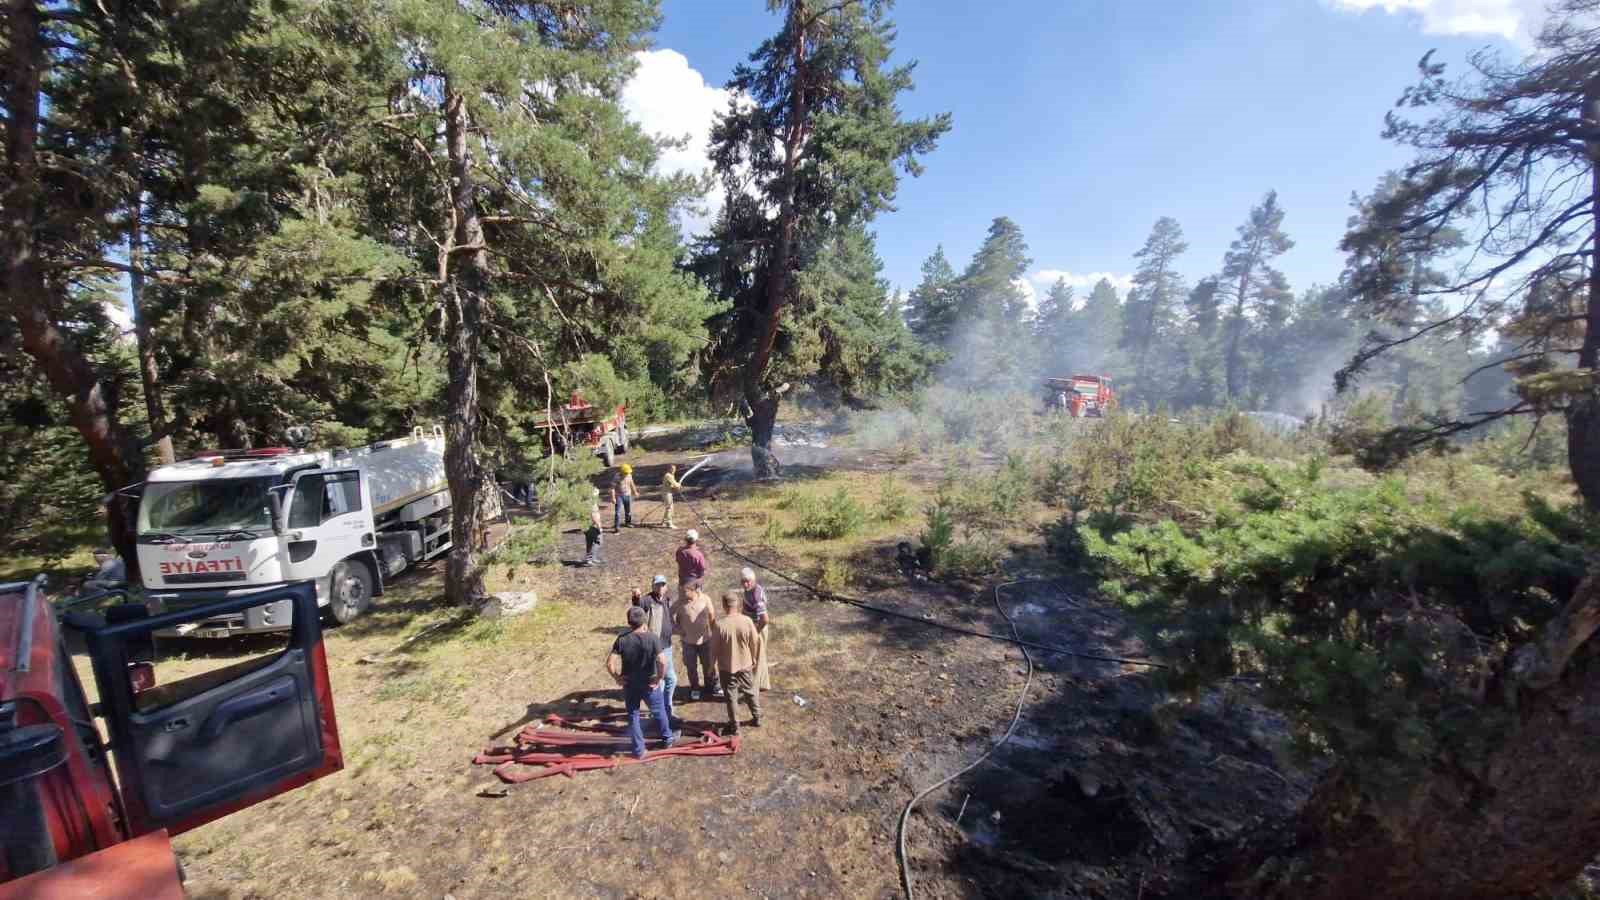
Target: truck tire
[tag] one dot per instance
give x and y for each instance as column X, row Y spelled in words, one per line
column 349, row 590
column 607, row 453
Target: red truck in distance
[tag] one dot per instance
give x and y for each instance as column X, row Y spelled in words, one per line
column 1081, row 396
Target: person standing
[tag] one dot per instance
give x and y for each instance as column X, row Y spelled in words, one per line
column 622, row 493
column 658, row 606
column 737, row 646
column 691, row 562
column 692, row 617
column 591, row 535
column 637, row 663
column 755, row 606
column 670, row 485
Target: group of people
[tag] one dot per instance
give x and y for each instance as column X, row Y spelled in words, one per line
column 724, row 653
column 623, row 492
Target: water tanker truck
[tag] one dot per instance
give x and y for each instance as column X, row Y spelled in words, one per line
column 225, row 524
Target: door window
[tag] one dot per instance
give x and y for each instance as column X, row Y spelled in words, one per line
column 320, row 497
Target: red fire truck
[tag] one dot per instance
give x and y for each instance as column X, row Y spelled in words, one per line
column 182, row 753
column 1081, row 395
column 579, row 423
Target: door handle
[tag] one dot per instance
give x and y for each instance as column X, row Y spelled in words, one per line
column 244, row 706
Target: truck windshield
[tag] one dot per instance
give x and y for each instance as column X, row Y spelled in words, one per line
column 220, row 505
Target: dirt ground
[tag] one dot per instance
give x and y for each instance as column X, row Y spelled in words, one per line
column 1103, row 790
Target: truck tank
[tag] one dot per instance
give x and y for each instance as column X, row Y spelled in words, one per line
column 399, row 471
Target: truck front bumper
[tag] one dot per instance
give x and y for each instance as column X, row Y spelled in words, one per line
column 263, row 619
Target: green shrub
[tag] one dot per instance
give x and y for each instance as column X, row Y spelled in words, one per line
column 1377, row 620
column 972, row 558
column 829, row 518
column 834, row 577
column 939, row 533
column 893, row 501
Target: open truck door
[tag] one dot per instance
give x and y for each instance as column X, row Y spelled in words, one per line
column 197, row 748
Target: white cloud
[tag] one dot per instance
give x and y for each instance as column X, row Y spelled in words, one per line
column 1515, row 20
column 1028, row 292
column 1081, row 282
column 669, row 98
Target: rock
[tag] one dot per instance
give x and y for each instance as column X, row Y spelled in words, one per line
column 508, row 603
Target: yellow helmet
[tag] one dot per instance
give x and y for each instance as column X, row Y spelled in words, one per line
column 627, row 469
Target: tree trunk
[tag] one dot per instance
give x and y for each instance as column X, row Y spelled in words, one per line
column 25, row 295
column 764, row 404
column 1523, row 819
column 1235, row 334
column 463, row 296
column 149, row 377
column 1583, row 412
column 763, row 420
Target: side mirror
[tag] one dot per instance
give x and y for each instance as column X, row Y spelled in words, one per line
column 275, row 505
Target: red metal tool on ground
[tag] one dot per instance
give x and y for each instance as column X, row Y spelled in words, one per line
column 558, row 747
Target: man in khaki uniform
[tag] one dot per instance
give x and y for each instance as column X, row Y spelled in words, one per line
column 692, row 617
column 670, row 485
column 738, row 649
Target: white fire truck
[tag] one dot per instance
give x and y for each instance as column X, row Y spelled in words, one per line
column 228, row 523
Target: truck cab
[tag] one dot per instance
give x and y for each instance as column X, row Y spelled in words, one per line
column 174, row 756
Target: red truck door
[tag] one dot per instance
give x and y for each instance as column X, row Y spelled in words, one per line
column 198, row 748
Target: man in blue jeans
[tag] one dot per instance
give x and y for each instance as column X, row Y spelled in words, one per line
column 638, row 664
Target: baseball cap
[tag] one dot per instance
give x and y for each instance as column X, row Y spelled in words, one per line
column 659, row 579
column 692, row 535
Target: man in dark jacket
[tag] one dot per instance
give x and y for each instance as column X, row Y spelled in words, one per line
column 637, row 663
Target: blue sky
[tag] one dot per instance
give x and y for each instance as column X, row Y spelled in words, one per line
column 1085, row 120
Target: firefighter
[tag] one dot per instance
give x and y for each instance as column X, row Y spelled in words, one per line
column 670, row 486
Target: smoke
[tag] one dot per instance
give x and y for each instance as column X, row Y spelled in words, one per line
column 1315, row 389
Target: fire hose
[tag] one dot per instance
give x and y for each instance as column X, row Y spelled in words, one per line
column 556, row 747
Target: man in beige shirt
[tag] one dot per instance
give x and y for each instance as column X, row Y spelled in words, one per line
column 671, row 485
column 738, row 648
column 692, row 617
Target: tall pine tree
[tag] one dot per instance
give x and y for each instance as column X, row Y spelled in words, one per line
column 1150, row 314
column 1248, row 283
column 809, row 147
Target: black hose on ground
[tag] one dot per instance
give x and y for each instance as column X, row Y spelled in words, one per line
column 1016, row 718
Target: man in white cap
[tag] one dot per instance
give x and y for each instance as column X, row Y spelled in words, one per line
column 658, row 605
column 691, row 562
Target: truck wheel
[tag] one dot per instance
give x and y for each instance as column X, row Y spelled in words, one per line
column 607, row 453
column 349, row 591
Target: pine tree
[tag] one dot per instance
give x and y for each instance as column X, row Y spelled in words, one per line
column 1150, row 313
column 931, row 308
column 1093, row 346
column 815, row 134
column 1052, row 327
column 988, row 343
column 1247, row 282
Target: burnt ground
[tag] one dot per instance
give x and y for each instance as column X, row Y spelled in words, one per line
column 1102, row 791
